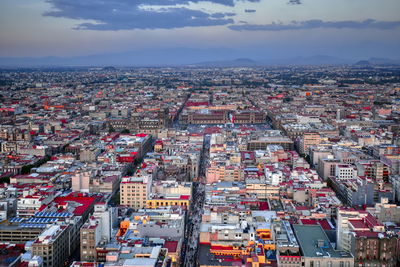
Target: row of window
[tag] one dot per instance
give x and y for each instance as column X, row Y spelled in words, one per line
column 168, row 203
column 330, row 264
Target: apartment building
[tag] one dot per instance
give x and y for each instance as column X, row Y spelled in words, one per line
column 345, row 171
column 224, row 173
column 373, row 249
column 96, row 230
column 349, row 219
column 134, row 191
column 307, row 140
column 327, row 167
column 53, row 245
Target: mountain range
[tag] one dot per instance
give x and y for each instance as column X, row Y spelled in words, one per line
column 217, row 57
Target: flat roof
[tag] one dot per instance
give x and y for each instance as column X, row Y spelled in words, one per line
column 140, row 262
column 314, row 243
column 207, row 259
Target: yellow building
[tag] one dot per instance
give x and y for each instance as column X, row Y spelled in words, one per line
column 183, row 201
column 254, row 253
column 134, row 191
column 262, row 190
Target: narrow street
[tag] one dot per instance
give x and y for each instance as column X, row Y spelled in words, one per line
column 189, row 255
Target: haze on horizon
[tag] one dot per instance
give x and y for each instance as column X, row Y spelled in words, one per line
column 271, row 28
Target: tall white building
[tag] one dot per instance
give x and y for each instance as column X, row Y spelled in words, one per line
column 345, row 171
column 96, row 230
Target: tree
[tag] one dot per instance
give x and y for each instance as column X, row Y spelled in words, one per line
column 307, row 158
column 138, row 161
column 5, row 180
column 125, row 131
column 26, row 169
column 130, row 171
column 116, row 199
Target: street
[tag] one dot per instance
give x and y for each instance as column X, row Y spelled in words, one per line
column 189, row 255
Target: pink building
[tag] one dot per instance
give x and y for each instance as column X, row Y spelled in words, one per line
column 80, row 181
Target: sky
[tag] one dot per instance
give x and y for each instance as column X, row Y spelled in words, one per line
column 276, row 28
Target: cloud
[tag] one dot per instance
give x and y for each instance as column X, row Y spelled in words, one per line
column 222, row 15
column 250, row 10
column 294, row 2
column 139, row 14
column 313, row 24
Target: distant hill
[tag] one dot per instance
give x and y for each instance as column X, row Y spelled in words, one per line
column 378, row 61
column 363, row 63
column 311, row 60
column 150, row 57
column 384, row 61
column 240, row 62
column 181, row 56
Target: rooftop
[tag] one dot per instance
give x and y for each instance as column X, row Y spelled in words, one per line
column 314, row 243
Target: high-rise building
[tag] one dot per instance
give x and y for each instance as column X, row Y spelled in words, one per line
column 97, row 230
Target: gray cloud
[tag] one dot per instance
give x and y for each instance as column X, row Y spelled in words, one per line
column 250, row 10
column 139, row 14
column 313, row 24
column 294, row 2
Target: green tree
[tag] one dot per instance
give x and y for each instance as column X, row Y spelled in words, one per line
column 116, row 198
column 5, row 180
column 26, row 169
column 138, row 161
